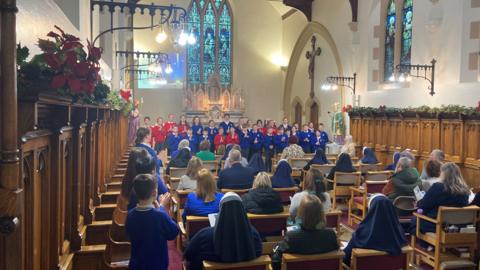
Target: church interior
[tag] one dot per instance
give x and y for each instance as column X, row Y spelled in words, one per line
column 239, row 134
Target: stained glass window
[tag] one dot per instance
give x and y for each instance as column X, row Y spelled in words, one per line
column 193, row 51
column 209, row 34
column 224, row 44
column 389, row 41
column 407, row 32
column 211, row 22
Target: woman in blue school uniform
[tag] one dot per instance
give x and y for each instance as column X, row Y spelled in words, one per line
column 256, row 139
column 305, row 139
column 197, row 128
column 280, row 140
column 212, row 132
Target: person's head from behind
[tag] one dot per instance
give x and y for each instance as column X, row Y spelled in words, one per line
column 206, row 186
column 452, row 179
column 205, row 145
column 408, row 154
column 344, row 159
column 437, row 154
column 404, row 163
column 313, row 182
column 145, row 188
column 262, row 180
column 131, row 172
column 143, row 135
column 348, row 139
column 183, row 144
column 310, row 212
column 432, row 168
column 234, row 157
column 193, row 167
column 236, row 147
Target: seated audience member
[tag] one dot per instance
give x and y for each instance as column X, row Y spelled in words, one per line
column 183, row 144
column 292, row 151
column 343, row 164
column 204, row 154
column 380, row 230
column 396, row 157
column 237, row 177
column 256, row 163
column 142, row 140
column 432, row 169
column 312, row 184
column 144, row 164
column 450, row 191
column 312, row 237
column 282, row 178
column 232, row 239
column 180, row 161
column 189, row 180
column 348, row 146
column 368, row 156
column 437, row 155
column 320, row 158
column 205, row 200
column 262, row 199
column 408, row 154
column 403, row 181
column 227, row 164
column 149, row 227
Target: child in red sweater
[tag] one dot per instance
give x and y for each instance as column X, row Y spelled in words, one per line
column 232, row 137
column 219, row 139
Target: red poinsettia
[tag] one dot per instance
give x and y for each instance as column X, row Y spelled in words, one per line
column 74, row 69
column 126, row 94
column 347, row 108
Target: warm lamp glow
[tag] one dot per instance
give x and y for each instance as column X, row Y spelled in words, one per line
column 161, row 37
column 279, row 60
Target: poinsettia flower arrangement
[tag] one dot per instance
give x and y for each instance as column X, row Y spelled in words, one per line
column 74, row 69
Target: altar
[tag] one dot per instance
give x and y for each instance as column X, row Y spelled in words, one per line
column 212, row 101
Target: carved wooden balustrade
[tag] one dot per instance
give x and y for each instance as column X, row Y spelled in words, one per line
column 457, row 135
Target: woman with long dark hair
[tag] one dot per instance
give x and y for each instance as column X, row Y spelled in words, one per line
column 312, row 184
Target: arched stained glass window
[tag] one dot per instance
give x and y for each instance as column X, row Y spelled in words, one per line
column 407, row 32
column 224, row 45
column 211, row 22
column 390, row 23
column 193, row 66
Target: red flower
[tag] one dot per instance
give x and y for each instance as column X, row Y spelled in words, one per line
column 58, row 81
column 81, row 69
column 75, row 85
column 94, row 53
column 126, row 94
column 53, row 60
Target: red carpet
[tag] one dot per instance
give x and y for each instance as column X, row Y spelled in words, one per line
column 175, row 261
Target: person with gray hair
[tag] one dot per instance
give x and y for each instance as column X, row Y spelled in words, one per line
column 227, row 164
column 182, row 144
column 403, row 181
column 437, row 155
column 236, row 177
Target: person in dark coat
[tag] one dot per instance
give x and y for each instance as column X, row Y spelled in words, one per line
column 403, row 181
column 368, row 156
column 257, row 163
column 380, row 230
column 311, row 237
column 343, row 164
column 232, row 239
column 236, row 177
column 450, row 191
column 320, row 158
column 282, row 178
column 181, row 160
column 262, row 199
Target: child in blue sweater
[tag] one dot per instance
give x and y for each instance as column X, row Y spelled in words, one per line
column 149, row 227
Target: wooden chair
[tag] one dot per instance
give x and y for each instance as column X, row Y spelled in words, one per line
column 271, row 225
column 342, row 183
column 406, row 206
column 117, row 230
column 286, row 193
column 365, row 168
column 374, row 183
column 193, row 224
column 354, row 159
column 212, row 166
column 117, row 254
column 240, row 192
column 333, row 220
column 172, row 183
column 368, row 259
column 326, row 261
column 297, row 165
column 441, row 239
column 324, row 169
column 261, row 263
column 177, row 172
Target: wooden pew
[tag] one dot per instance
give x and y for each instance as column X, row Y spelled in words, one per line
column 262, row 262
column 286, row 193
column 326, row 261
column 368, row 259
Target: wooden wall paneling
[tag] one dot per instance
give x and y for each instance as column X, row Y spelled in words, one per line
column 356, row 131
column 471, row 171
column 369, row 131
column 411, row 134
column 91, row 154
column 381, row 141
column 452, row 139
column 36, row 171
column 101, row 155
column 429, row 136
column 394, row 135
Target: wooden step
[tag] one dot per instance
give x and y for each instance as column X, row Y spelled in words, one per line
column 104, row 212
column 120, row 170
column 117, row 177
column 97, row 232
column 109, row 197
column 89, row 257
column 114, row 186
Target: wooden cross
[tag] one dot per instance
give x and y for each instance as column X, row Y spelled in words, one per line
column 311, row 55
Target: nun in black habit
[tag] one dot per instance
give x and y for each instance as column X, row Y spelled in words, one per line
column 232, row 239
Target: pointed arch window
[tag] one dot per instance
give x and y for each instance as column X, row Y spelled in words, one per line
column 211, row 22
column 407, row 17
column 390, row 24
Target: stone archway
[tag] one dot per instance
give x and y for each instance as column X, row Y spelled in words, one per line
column 312, row 28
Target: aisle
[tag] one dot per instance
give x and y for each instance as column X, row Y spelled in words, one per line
column 175, row 262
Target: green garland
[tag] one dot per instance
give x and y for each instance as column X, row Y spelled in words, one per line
column 117, row 103
column 444, row 109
